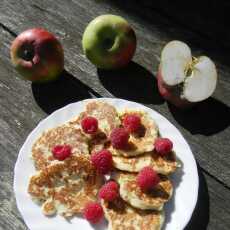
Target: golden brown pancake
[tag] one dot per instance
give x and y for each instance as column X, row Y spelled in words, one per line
column 121, row 216
column 105, row 113
column 142, row 141
column 161, row 164
column 108, row 119
column 153, row 200
column 64, row 134
column 66, row 186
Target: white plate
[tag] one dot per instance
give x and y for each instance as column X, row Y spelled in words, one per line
column 178, row 210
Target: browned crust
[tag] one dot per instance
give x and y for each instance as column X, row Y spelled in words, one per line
column 76, row 192
column 143, row 140
column 157, row 196
column 122, row 216
column 64, row 134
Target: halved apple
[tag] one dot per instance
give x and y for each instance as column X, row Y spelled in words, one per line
column 184, row 79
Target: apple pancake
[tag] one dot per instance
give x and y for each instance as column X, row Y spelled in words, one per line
column 161, row 164
column 105, row 113
column 122, row 216
column 66, row 186
column 153, row 200
column 108, row 119
column 141, row 141
column 64, row 134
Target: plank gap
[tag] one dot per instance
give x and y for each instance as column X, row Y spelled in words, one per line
column 215, row 178
column 11, row 32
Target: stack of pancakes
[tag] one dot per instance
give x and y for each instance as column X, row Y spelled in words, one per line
column 66, row 186
column 136, row 209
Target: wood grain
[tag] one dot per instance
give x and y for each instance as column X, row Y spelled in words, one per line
column 23, row 105
column 68, row 22
column 210, row 19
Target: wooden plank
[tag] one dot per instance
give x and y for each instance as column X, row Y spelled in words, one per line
column 68, row 21
column 208, row 18
column 18, row 119
column 19, row 114
column 10, row 218
column 24, row 112
column 211, row 211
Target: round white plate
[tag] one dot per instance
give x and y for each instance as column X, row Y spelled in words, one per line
column 185, row 180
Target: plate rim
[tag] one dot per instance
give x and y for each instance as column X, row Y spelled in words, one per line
column 106, row 99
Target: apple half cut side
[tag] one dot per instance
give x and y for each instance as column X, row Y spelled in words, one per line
column 184, row 79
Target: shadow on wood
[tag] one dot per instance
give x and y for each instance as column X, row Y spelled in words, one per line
column 200, row 217
column 132, row 82
column 207, row 118
column 67, row 89
column 195, row 25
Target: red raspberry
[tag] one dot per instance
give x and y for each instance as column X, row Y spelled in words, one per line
column 109, row 191
column 131, row 123
column 93, row 212
column 102, row 161
column 89, row 125
column 163, row 146
column 147, row 178
column 61, row 152
column 119, row 138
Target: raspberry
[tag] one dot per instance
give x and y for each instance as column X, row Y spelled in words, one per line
column 102, row 161
column 93, row 212
column 131, row 123
column 147, row 178
column 119, row 138
column 109, row 191
column 89, row 125
column 61, row 152
column 163, row 146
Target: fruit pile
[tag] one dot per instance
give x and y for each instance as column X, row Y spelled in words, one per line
column 109, row 42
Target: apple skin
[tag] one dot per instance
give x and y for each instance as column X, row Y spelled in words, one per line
column 109, row 42
column 37, row 55
column 168, row 93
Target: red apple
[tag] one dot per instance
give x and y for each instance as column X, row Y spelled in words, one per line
column 183, row 79
column 170, row 94
column 37, row 55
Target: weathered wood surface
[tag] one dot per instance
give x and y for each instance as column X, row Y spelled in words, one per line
column 23, row 105
column 210, row 19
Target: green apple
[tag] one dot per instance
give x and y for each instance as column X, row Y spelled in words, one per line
column 109, row 42
column 37, row 55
